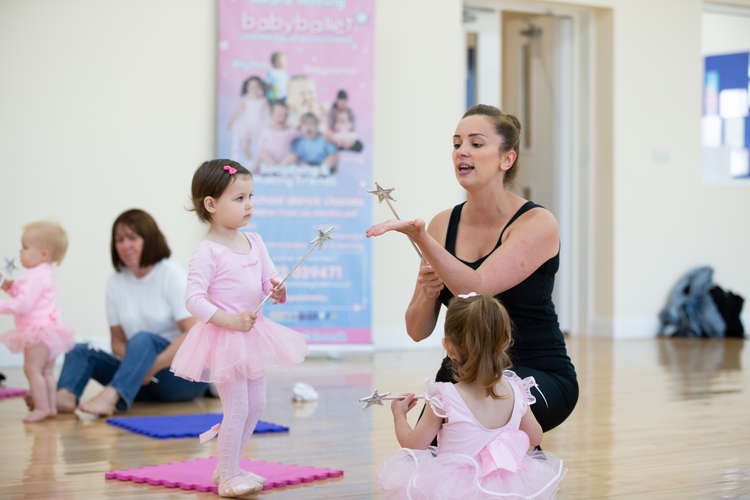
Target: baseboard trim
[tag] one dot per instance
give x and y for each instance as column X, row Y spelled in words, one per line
column 635, row 327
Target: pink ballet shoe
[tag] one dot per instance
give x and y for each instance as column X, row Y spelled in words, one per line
column 256, row 477
column 241, row 486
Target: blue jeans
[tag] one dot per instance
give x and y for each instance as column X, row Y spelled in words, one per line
column 83, row 363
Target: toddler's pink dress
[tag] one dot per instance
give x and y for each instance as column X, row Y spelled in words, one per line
column 472, row 461
column 249, row 125
column 34, row 305
column 235, row 282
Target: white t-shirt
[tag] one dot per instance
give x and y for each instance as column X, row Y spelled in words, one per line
column 154, row 303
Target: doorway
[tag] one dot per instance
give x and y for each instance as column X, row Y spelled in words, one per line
column 531, row 62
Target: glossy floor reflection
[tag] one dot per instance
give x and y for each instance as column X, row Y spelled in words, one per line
column 655, row 419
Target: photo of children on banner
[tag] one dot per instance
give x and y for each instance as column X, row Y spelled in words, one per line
column 281, row 128
column 249, row 119
column 275, row 144
column 311, row 147
column 341, row 124
column 277, row 79
column 302, row 98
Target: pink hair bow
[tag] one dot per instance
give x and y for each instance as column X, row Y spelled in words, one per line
column 231, row 170
column 505, row 452
column 467, row 295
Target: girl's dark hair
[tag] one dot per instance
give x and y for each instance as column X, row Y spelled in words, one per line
column 508, row 127
column 211, row 179
column 155, row 246
column 258, row 79
column 479, row 329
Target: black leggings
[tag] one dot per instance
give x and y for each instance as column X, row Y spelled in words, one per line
column 559, row 388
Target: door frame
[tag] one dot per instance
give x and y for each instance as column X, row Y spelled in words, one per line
column 574, row 151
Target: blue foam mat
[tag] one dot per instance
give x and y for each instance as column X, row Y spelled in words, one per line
column 181, row 426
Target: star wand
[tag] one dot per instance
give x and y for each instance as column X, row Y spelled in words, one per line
column 10, row 267
column 377, row 399
column 317, row 242
column 385, row 195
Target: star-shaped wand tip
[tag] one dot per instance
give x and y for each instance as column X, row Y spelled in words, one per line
column 382, row 194
column 373, row 399
column 10, row 266
column 323, row 236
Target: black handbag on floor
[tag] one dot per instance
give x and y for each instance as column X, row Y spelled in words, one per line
column 730, row 307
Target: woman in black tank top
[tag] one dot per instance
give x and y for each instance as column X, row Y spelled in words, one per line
column 495, row 243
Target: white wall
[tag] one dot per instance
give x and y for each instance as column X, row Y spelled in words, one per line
column 665, row 219
column 108, row 105
column 105, row 106
column 725, row 30
column 419, row 97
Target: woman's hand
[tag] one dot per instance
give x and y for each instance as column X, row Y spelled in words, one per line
column 278, row 293
column 430, row 282
column 243, row 322
column 400, row 407
column 414, row 229
column 7, row 284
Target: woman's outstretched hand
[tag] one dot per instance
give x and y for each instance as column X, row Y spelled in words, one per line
column 411, row 228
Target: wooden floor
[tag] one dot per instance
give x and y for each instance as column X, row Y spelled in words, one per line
column 655, row 419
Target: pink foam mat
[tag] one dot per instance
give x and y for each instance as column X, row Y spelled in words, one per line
column 197, row 474
column 10, row 392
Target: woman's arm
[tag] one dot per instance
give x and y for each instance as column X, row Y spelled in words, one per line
column 532, row 240
column 423, row 310
column 424, row 307
column 118, row 340
column 420, row 437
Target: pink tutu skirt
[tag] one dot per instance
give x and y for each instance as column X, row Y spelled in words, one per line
column 214, row 354
column 418, row 475
column 56, row 336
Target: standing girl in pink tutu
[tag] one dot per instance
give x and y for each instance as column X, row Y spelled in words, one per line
column 229, row 274
column 486, row 433
column 40, row 333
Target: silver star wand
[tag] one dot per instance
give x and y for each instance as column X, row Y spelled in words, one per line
column 317, row 242
column 385, row 194
column 377, row 399
column 9, row 268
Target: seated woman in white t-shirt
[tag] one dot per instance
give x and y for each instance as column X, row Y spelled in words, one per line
column 147, row 321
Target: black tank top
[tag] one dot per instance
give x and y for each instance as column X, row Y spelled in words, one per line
column 537, row 339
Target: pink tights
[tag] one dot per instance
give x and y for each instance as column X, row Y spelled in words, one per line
column 243, row 401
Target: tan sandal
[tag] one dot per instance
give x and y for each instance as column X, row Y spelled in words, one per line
column 239, row 487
